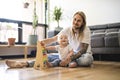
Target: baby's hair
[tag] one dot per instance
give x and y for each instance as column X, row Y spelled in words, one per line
column 58, row 39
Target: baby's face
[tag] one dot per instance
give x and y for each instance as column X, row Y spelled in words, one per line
column 63, row 39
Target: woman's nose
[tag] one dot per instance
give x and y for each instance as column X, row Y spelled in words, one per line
column 75, row 22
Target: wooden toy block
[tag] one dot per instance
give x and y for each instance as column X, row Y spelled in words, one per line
column 41, row 57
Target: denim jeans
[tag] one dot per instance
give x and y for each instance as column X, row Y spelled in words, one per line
column 51, row 58
column 56, row 62
column 85, row 60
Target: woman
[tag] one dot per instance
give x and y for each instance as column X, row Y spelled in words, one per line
column 79, row 37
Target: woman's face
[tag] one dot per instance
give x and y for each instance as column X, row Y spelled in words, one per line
column 77, row 22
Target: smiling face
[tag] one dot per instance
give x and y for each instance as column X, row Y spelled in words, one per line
column 78, row 21
column 63, row 40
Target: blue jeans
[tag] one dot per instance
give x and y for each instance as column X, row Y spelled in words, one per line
column 85, row 60
column 56, row 62
column 51, row 58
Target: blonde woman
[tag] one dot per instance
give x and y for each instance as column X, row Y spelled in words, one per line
column 79, row 37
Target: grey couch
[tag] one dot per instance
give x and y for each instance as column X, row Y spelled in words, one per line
column 105, row 40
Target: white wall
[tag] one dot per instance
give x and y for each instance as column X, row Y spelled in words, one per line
column 14, row 9
column 97, row 11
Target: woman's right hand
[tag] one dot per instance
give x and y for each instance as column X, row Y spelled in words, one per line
column 62, row 63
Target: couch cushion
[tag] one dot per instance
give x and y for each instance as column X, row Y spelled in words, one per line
column 112, row 30
column 99, row 31
column 98, row 27
column 97, row 40
column 114, row 25
column 111, row 39
column 98, row 35
column 112, row 34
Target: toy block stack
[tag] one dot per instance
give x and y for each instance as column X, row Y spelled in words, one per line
column 41, row 57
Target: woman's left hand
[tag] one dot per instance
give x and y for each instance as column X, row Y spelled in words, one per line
column 64, row 63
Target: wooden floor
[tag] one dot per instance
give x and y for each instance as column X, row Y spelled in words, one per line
column 101, row 70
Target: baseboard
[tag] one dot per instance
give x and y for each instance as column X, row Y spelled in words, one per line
column 107, row 57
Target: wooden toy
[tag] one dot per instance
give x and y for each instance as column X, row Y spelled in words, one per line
column 41, row 57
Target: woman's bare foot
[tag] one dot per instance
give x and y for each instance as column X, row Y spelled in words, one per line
column 49, row 64
column 15, row 64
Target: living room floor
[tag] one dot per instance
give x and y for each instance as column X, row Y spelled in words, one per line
column 100, row 70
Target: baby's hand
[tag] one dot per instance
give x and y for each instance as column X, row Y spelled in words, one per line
column 42, row 43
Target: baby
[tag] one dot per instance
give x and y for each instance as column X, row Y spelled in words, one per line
column 64, row 49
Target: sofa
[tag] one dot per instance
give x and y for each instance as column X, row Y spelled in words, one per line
column 105, row 41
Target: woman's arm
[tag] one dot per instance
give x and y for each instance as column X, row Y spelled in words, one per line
column 70, row 54
column 50, row 40
column 50, row 48
column 67, row 59
column 83, row 50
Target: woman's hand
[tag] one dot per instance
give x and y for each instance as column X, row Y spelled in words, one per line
column 62, row 63
column 65, row 62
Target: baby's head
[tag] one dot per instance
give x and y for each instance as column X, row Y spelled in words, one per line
column 63, row 39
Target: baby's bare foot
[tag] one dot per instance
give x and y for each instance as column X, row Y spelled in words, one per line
column 49, row 64
column 14, row 64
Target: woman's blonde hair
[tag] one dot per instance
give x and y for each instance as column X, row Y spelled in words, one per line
column 83, row 24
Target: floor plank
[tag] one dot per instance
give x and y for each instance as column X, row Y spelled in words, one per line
column 101, row 70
